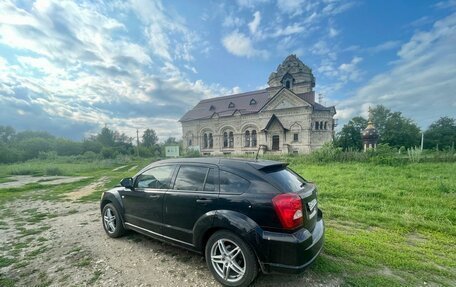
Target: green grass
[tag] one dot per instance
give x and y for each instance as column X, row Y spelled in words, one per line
column 385, row 225
column 4, row 261
column 7, row 282
column 95, row 277
column 379, row 218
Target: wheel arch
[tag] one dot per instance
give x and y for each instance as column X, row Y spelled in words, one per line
column 114, row 199
column 236, row 222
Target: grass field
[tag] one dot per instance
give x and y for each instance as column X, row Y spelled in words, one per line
column 386, row 226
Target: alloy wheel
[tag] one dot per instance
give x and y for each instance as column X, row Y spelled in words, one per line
column 228, row 260
column 109, row 220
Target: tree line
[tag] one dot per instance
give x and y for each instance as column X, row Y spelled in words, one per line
column 108, row 143
column 397, row 131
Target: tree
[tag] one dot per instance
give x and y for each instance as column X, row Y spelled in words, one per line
column 441, row 133
column 395, row 129
column 106, row 137
column 149, row 138
column 380, row 114
column 6, row 134
column 170, row 140
column 350, row 135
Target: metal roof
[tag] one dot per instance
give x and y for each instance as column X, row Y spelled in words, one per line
column 220, row 106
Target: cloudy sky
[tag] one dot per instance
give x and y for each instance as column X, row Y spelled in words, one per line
column 72, row 67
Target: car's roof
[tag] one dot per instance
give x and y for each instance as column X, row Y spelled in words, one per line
column 221, row 161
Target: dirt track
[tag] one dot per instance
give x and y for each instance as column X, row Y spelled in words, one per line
column 70, row 248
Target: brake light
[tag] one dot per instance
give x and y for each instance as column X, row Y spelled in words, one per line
column 288, row 207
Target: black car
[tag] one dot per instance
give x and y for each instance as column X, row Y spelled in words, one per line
column 242, row 215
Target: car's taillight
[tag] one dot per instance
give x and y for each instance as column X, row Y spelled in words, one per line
column 288, row 207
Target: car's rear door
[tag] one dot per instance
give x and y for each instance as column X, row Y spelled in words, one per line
column 143, row 204
column 194, row 193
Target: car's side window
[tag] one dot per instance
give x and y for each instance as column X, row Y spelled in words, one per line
column 191, row 178
column 231, row 183
column 157, row 178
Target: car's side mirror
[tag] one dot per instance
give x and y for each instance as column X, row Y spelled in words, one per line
column 127, row 182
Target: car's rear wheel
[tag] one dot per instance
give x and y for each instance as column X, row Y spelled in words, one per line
column 112, row 223
column 231, row 261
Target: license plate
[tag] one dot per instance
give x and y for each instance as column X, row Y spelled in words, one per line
column 312, row 204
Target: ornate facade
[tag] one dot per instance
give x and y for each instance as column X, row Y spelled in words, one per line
column 283, row 118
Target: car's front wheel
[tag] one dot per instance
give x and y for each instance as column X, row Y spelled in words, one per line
column 231, row 261
column 111, row 221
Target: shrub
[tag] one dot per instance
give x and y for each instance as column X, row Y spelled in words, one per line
column 53, row 171
column 108, row 152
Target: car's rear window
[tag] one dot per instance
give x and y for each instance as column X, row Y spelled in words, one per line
column 286, row 179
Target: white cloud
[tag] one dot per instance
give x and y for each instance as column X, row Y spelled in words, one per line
column 168, row 37
column 292, row 7
column 240, row 45
column 250, row 3
column 289, row 30
column 232, row 21
column 350, row 71
column 253, row 26
column 332, row 32
column 422, row 79
column 78, row 69
column 388, row 45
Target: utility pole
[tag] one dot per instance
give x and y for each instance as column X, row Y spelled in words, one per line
column 137, row 142
column 422, row 140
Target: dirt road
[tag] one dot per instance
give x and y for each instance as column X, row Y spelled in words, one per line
column 63, row 244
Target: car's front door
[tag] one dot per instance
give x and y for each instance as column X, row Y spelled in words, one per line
column 194, row 193
column 143, row 204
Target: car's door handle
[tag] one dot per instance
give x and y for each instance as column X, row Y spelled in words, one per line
column 154, row 196
column 204, row 200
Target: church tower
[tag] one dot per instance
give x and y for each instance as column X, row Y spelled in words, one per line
column 293, row 75
column 370, row 134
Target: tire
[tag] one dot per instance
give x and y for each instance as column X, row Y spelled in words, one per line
column 112, row 224
column 230, row 269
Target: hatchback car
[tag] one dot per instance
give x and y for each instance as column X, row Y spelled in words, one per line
column 242, row 215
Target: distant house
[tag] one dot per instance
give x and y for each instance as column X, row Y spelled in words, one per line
column 283, row 118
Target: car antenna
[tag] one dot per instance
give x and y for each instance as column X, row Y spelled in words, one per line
column 258, row 151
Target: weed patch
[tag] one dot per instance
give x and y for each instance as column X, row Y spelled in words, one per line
column 5, row 261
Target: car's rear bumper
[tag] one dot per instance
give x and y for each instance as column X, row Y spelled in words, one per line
column 291, row 253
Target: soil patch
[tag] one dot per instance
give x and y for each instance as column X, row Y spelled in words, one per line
column 88, row 189
column 21, row 180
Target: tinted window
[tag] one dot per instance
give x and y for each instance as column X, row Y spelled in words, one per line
column 231, row 183
column 286, row 179
column 190, row 178
column 210, row 181
column 157, row 177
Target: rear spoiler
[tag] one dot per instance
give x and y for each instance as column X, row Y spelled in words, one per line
column 268, row 165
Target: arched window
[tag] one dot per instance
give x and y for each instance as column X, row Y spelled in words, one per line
column 247, row 139
column 321, row 125
column 205, row 143
column 231, row 140
column 225, row 139
column 212, row 108
column 190, row 142
column 288, row 84
column 231, row 105
column 211, row 141
column 252, row 102
column 326, row 125
column 317, row 124
column 254, row 138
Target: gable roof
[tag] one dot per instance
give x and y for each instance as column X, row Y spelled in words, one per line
column 272, row 120
column 221, row 105
column 206, row 109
